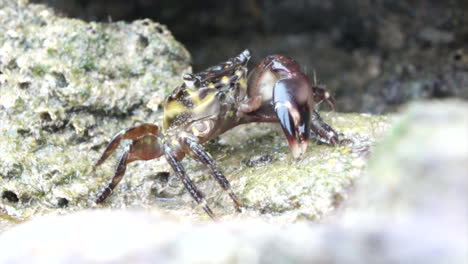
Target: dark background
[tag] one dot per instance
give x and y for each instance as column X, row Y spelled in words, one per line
column 374, row 55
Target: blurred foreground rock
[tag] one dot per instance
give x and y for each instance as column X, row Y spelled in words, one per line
column 421, row 167
column 136, row 237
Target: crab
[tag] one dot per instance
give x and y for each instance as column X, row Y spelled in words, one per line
column 217, row 99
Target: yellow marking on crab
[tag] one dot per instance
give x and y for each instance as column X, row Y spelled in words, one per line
column 171, row 110
column 225, row 80
column 202, row 104
column 243, row 83
column 193, row 94
column 229, row 114
column 211, row 85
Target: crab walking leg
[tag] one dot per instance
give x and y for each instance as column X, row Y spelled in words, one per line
column 130, row 133
column 118, row 175
column 145, row 148
column 322, row 130
column 189, row 185
column 204, row 157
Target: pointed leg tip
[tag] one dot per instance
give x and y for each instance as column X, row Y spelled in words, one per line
column 237, row 203
column 210, row 213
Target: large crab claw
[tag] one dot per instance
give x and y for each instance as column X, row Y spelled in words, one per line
column 292, row 98
column 291, row 103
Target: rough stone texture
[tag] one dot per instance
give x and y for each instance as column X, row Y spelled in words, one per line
column 65, row 87
column 410, row 207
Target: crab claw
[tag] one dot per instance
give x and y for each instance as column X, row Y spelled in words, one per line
column 292, row 101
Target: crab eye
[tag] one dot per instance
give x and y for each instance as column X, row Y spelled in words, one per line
column 244, row 56
column 188, row 77
column 189, row 80
column 227, row 65
column 246, row 53
column 216, row 68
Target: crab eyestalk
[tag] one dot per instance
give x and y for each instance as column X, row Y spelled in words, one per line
column 244, row 57
column 321, row 94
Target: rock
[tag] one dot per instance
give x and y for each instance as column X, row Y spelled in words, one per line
column 138, row 237
column 420, row 168
column 416, row 181
column 66, row 86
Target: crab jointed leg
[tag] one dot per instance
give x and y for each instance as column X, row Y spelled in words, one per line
column 189, row 185
column 118, row 175
column 132, row 133
column 200, row 153
column 324, row 131
column 144, row 148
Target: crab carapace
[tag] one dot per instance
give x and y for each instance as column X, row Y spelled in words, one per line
column 213, row 101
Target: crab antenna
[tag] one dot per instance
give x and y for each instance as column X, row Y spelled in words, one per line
column 315, row 77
